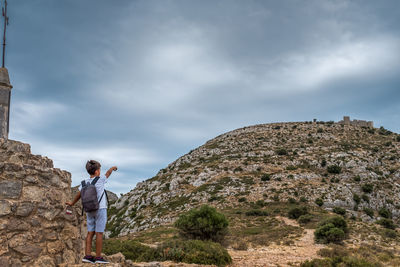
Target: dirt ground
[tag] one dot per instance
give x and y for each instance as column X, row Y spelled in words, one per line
column 274, row 255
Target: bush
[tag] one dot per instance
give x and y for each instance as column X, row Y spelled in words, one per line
column 336, row 169
column 281, row 151
column 323, row 163
column 387, row 223
column 365, row 198
column 367, row 188
column 319, row 202
column 369, row 212
column 131, row 249
column 242, row 199
column 204, row 223
column 266, row 177
column 339, row 210
column 305, row 218
column 195, row 251
column 398, row 138
column 332, row 230
column 357, row 178
column 356, row 198
column 292, row 200
column 390, row 233
column 303, row 199
column 296, row 212
column 385, row 213
column 256, row 213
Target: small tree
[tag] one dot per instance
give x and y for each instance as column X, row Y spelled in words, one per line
column 296, row 212
column 335, row 169
column 204, row 223
column 319, row 202
column 332, row 230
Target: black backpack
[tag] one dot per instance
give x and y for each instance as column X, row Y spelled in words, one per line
column 89, row 196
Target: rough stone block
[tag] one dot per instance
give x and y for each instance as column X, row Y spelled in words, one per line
column 4, row 261
column 27, row 249
column 25, row 208
column 69, row 256
column 44, row 261
column 55, row 247
column 10, row 189
column 33, row 193
column 5, row 207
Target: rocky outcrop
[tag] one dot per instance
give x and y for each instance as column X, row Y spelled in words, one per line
column 356, row 168
column 34, row 228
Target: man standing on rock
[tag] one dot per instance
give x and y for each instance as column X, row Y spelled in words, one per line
column 94, row 203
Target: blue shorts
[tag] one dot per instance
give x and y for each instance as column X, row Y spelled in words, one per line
column 96, row 220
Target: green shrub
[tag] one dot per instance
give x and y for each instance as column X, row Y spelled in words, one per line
column 335, row 169
column 398, row 138
column 385, row 213
column 204, row 223
column 387, row 223
column 390, row 233
column 131, row 249
column 328, row 233
column 303, row 199
column 319, row 202
column 261, row 203
column 281, row 151
column 256, row 213
column 369, row 212
column 357, row 178
column 266, row 177
column 242, row 199
column 296, row 212
column 292, row 200
column 365, row 198
column 367, row 188
column 323, row 163
column 188, row 251
column 195, row 251
column 356, row 198
column 305, row 218
column 339, row 210
column 331, row 230
column 320, row 130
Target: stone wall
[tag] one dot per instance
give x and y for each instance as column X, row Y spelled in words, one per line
column 34, row 228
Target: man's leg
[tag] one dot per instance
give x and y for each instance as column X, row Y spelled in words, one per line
column 89, row 239
column 99, row 244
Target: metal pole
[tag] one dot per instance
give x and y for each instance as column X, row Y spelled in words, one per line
column 5, row 28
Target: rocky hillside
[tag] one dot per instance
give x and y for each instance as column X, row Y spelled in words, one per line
column 355, row 168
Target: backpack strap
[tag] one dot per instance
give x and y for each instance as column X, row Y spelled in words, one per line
column 83, row 183
column 105, row 191
column 95, row 180
column 102, row 195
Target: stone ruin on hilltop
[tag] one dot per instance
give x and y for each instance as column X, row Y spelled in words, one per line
column 34, row 228
column 346, row 121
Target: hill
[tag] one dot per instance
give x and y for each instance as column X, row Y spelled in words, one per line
column 258, row 175
column 352, row 167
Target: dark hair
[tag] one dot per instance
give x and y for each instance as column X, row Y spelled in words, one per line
column 92, row 166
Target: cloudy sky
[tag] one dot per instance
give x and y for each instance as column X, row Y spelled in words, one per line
column 139, row 83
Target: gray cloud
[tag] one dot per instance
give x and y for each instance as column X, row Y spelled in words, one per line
column 140, row 83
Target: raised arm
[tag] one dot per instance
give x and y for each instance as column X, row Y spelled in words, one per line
column 108, row 173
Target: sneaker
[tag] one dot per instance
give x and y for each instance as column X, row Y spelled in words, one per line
column 89, row 259
column 100, row 260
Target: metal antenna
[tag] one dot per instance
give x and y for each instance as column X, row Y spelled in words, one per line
column 4, row 10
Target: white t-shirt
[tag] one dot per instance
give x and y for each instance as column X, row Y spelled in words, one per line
column 99, row 189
